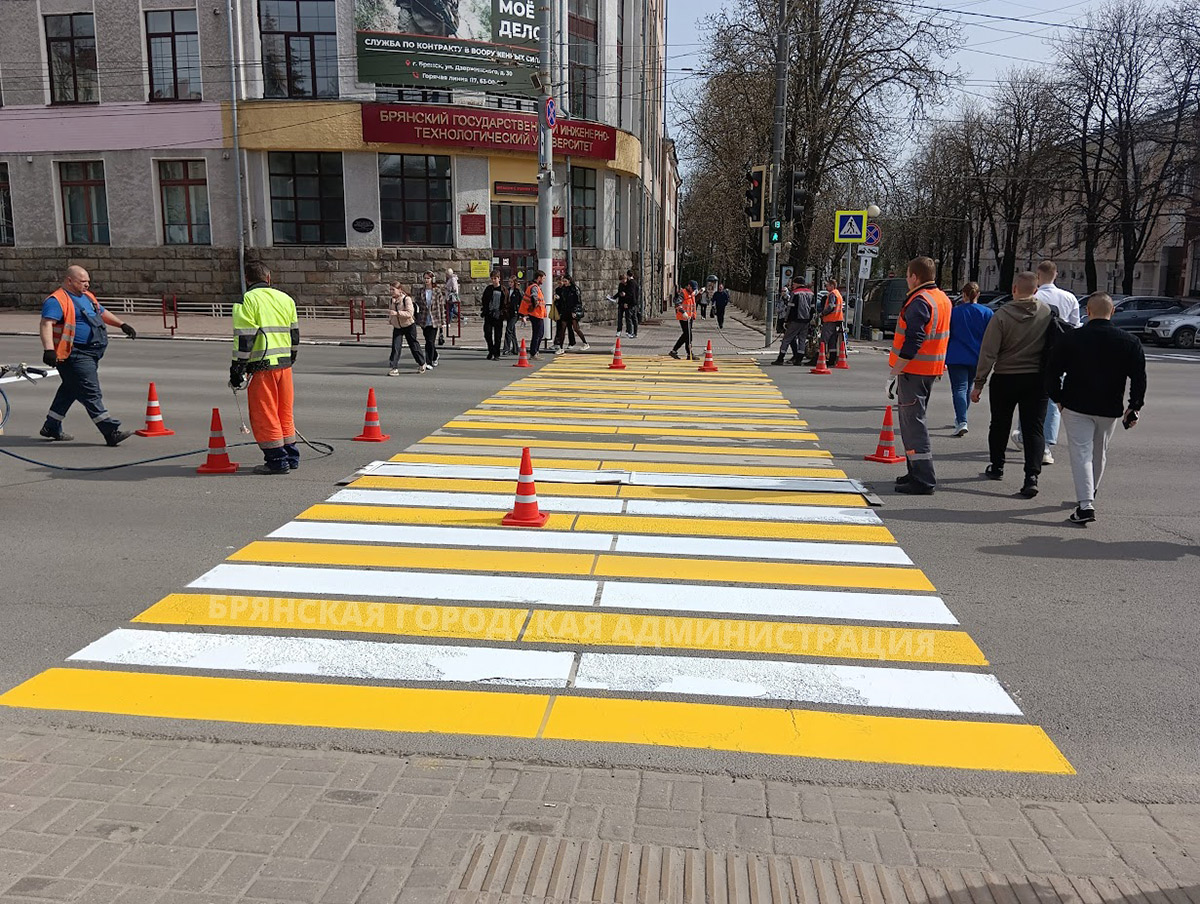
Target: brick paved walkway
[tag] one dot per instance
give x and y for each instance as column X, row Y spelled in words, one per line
column 95, row 818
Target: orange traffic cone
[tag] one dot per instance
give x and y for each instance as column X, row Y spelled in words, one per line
column 371, row 432
column 525, row 511
column 218, row 458
column 154, row 419
column 709, row 366
column 885, row 452
column 822, row 367
column 843, row 361
column 617, row 363
column 523, row 357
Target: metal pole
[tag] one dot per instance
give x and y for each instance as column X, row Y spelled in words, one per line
column 781, row 67
column 237, row 148
column 545, row 203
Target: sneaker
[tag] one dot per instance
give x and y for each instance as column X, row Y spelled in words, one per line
column 558, row 350
column 1047, row 458
column 960, row 430
column 432, row 364
column 1017, row 440
column 59, row 437
column 674, row 354
column 394, row 372
column 268, row 470
column 422, row 368
column 118, row 437
column 1082, row 516
column 993, row 473
column 586, row 347
column 1030, row 488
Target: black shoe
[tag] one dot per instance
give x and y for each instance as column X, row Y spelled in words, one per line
column 55, row 437
column 797, row 363
column 777, row 361
column 914, row 489
column 674, row 354
column 1030, row 488
column 1082, row 516
column 117, row 437
column 267, row 469
column 993, row 473
column 903, row 479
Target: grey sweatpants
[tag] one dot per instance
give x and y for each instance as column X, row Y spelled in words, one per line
column 912, row 400
column 1087, row 436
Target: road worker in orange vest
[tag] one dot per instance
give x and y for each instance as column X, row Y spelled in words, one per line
column 74, row 338
column 685, row 314
column 533, row 306
column 918, row 358
column 833, row 320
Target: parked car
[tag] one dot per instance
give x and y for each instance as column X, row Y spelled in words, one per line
column 1178, row 329
column 1083, row 300
column 997, row 301
column 1133, row 312
column 882, row 303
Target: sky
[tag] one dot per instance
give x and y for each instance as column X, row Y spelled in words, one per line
column 990, row 46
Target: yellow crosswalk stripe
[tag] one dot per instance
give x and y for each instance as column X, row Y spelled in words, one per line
column 551, row 403
column 742, row 451
column 645, row 467
column 428, row 558
column 792, row 421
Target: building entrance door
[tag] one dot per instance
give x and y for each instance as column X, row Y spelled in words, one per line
column 514, row 240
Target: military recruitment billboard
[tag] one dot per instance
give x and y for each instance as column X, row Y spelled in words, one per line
column 448, row 45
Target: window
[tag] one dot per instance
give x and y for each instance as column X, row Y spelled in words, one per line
column 85, row 204
column 584, row 54
column 6, row 219
column 184, row 202
column 583, row 207
column 415, row 200
column 173, row 47
column 307, row 203
column 299, row 47
column 514, row 228
column 71, row 48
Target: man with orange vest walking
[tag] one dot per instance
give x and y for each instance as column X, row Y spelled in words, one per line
column 533, row 306
column 918, row 358
column 685, row 314
column 833, row 320
column 74, row 338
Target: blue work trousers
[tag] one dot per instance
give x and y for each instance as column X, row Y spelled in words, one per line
column 80, row 382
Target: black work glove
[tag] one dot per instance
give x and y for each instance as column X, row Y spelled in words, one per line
column 128, row 331
column 50, row 357
column 237, row 376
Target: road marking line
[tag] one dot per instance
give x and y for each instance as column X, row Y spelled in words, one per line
column 517, row 426
column 437, row 439
column 448, row 444
column 634, row 418
column 839, row 605
column 641, row 467
column 355, row 616
column 606, row 565
column 800, row 733
column 795, row 682
column 671, row 407
column 504, row 538
column 271, row 702
column 733, row 450
column 389, row 584
column 610, row 491
column 630, row 524
column 653, row 507
column 324, row 657
column 739, row 636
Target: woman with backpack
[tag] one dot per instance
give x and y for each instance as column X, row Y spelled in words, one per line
column 402, row 315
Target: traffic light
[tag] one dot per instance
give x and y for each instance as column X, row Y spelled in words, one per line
column 797, row 199
column 775, row 232
column 756, row 184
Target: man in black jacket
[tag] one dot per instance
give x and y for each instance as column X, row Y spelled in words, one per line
column 1097, row 359
column 495, row 310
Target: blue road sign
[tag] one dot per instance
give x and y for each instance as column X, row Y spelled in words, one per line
column 850, row 226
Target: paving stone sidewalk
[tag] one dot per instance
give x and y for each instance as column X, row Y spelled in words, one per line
column 96, row 818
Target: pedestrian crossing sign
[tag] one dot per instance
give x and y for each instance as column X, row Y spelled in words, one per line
column 850, row 226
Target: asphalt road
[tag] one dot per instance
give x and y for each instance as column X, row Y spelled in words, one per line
column 1092, row 630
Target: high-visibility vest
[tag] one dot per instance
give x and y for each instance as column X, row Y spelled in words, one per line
column 930, row 360
column 533, row 304
column 838, row 314
column 64, row 330
column 686, row 310
column 262, row 327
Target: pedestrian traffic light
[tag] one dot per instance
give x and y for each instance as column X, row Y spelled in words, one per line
column 775, row 233
column 798, row 198
column 756, row 183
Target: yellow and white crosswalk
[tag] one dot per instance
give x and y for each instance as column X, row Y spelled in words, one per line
column 708, row 578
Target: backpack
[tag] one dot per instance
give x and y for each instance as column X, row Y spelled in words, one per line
column 1055, row 330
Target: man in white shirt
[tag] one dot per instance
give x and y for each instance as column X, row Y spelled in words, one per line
column 1067, row 306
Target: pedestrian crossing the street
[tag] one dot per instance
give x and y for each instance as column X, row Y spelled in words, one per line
column 709, row 578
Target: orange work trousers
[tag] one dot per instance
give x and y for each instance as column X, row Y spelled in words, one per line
column 270, row 400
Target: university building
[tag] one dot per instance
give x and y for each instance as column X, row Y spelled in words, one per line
column 124, row 125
